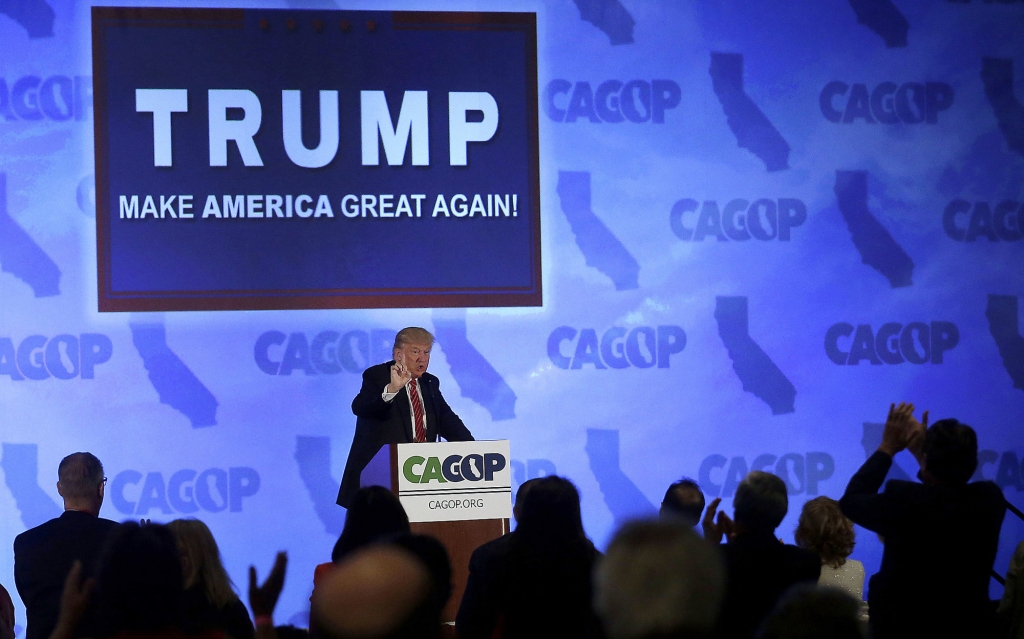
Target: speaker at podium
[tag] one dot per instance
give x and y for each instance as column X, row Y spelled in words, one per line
column 457, row 492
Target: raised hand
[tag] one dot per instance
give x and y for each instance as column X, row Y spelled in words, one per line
column 916, row 442
column 400, row 375
column 263, row 599
column 712, row 532
column 899, row 428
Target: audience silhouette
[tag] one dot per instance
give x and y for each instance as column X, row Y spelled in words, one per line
column 941, row 535
column 209, row 601
column 82, row 576
column 44, row 555
column 825, row 530
column 684, row 500
column 659, row 580
column 815, row 612
column 535, row 581
column 759, row 567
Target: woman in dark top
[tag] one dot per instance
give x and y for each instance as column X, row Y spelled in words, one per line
column 536, row 581
column 374, row 513
column 209, row 601
column 138, row 588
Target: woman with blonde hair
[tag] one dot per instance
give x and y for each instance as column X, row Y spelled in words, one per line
column 824, row 529
column 209, row 601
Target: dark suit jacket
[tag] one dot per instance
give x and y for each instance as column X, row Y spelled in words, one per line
column 42, row 558
column 479, row 609
column 379, row 422
column 759, row 569
column 551, row 608
column 940, row 543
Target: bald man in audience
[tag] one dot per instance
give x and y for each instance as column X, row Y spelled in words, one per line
column 44, row 555
column 381, row 592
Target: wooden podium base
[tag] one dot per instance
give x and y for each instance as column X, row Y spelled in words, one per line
column 461, row 538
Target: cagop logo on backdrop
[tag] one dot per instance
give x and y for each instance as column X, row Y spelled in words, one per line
column 38, row 357
column 328, row 352
column 186, row 491
column 55, row 97
column 886, row 103
column 802, row 473
column 993, row 221
column 211, row 193
column 614, row 101
column 640, row 347
column 740, row 220
column 893, row 343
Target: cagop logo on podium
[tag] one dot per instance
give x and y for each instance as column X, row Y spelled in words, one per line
column 455, row 481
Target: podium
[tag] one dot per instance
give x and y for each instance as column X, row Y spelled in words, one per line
column 458, row 492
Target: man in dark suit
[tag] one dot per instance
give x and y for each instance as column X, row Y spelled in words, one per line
column 940, row 535
column 399, row 402
column 759, row 567
column 44, row 555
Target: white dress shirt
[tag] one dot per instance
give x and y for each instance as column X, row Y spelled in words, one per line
column 387, row 397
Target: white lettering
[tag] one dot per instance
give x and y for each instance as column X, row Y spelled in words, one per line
column 323, row 207
column 299, row 202
column 412, row 122
column 129, row 208
column 161, row 103
column 461, row 132
column 350, row 210
column 291, row 107
column 254, row 206
column 185, row 204
column 240, row 131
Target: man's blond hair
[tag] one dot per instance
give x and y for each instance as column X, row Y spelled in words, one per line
column 413, row 335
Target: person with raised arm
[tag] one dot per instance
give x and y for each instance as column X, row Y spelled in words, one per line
column 941, row 535
column 399, row 402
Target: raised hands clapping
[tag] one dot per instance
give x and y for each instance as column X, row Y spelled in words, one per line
column 902, row 430
column 714, row 531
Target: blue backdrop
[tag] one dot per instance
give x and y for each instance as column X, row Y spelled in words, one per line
column 760, row 226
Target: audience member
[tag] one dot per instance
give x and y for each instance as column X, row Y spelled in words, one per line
column 684, row 500
column 43, row 556
column 759, row 567
column 263, row 598
column 815, row 612
column 291, row 632
column 433, row 555
column 825, row 530
column 140, row 584
column 1011, row 606
column 380, row 592
column 138, row 587
column 374, row 513
column 6, row 614
column 659, row 580
column 209, row 601
column 940, row 536
column 537, row 583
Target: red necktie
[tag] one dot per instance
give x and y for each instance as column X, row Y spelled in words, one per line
column 417, row 411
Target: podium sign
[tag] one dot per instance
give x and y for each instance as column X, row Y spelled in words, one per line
column 455, row 481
